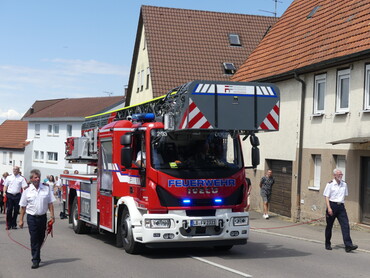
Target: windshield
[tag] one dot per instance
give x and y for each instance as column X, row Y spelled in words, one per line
column 195, row 150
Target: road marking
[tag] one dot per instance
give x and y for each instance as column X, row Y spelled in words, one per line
column 222, row 267
column 303, row 239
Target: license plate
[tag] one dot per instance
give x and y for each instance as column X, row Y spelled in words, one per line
column 203, row 223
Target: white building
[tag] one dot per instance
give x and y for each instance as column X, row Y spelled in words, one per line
column 13, row 136
column 51, row 122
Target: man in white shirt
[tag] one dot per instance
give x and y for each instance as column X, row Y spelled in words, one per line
column 335, row 193
column 36, row 200
column 13, row 186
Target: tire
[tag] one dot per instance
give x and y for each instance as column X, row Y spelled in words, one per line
column 128, row 242
column 79, row 227
column 119, row 239
column 223, row 247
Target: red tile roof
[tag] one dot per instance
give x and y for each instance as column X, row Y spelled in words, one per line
column 13, row 134
column 184, row 45
column 338, row 30
column 72, row 107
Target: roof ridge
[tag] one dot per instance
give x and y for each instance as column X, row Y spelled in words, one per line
column 205, row 11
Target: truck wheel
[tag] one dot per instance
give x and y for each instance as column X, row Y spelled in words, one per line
column 78, row 226
column 128, row 242
column 223, row 247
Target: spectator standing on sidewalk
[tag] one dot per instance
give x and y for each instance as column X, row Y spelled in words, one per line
column 335, row 193
column 35, row 201
column 266, row 189
column 13, row 186
column 2, row 192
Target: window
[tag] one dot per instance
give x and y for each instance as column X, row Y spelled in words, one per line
column 52, row 157
column 55, row 130
column 69, row 130
column 317, row 171
column 319, row 94
column 229, row 68
column 142, row 80
column 36, row 155
column 340, row 161
column 147, row 77
column 4, row 157
column 367, row 88
column 42, row 156
column 138, row 81
column 314, row 10
column 343, row 91
column 11, row 158
column 50, row 129
column 234, row 40
column 106, row 158
column 37, row 130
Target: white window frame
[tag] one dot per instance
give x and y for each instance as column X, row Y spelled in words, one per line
column 138, row 81
column 319, row 79
column 367, row 88
column 5, row 154
column 147, row 77
column 37, row 130
column 69, row 130
column 11, row 161
column 50, row 130
column 317, row 172
column 36, row 155
column 341, row 75
column 55, row 129
column 142, row 80
column 52, row 157
column 340, row 162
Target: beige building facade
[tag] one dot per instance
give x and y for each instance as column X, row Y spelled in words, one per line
column 336, row 133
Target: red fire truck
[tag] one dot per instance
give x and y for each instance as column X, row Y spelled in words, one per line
column 170, row 171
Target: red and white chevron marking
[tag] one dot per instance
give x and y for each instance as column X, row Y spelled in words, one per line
column 271, row 122
column 194, row 118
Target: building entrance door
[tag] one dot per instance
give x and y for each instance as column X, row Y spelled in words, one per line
column 365, row 189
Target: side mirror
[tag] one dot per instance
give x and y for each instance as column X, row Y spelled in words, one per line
column 126, row 139
column 126, row 156
column 255, row 142
column 255, row 157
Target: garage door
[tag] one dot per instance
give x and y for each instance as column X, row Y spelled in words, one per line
column 281, row 199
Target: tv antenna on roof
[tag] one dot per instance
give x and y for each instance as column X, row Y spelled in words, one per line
column 274, row 13
column 108, row 93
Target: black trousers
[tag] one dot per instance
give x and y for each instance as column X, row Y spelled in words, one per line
column 12, row 209
column 36, row 228
column 339, row 212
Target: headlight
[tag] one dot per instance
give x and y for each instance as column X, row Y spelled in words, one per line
column 241, row 221
column 157, row 223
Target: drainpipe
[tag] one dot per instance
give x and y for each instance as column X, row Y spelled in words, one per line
column 300, row 149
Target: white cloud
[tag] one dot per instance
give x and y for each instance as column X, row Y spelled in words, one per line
column 9, row 115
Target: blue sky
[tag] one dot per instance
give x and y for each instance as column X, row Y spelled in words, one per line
column 80, row 48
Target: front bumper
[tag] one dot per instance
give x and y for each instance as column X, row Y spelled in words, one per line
column 212, row 230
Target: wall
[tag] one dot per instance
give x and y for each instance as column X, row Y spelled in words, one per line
column 51, row 143
column 17, row 160
column 142, row 64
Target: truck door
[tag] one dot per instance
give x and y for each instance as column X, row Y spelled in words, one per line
column 106, row 201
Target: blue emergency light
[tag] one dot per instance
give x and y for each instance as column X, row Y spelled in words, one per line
column 186, row 201
column 218, row 201
column 143, row 117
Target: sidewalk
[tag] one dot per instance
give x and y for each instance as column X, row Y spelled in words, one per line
column 313, row 231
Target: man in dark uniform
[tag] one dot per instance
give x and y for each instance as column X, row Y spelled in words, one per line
column 13, row 186
column 36, row 200
column 335, row 192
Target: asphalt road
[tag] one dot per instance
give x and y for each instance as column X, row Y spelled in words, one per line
column 94, row 255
